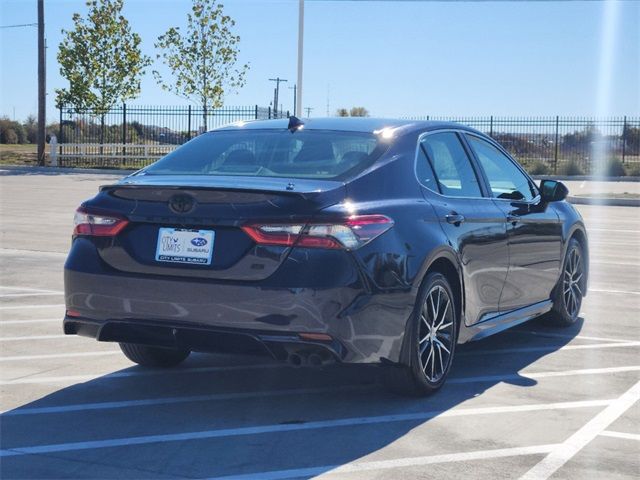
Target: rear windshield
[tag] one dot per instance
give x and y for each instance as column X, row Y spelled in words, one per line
column 273, row 153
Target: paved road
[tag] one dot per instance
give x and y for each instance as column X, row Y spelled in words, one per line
column 533, row 402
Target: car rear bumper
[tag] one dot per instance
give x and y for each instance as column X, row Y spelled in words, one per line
column 278, row 345
column 252, row 317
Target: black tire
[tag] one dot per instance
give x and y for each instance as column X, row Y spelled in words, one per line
column 148, row 356
column 568, row 294
column 422, row 375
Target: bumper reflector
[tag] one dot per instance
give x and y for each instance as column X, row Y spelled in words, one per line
column 323, row 337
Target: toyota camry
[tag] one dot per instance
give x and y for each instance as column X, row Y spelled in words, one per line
column 325, row 240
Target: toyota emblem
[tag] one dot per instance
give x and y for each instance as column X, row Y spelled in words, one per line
column 181, row 203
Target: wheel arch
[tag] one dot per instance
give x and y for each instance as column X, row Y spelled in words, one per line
column 579, row 233
column 445, row 262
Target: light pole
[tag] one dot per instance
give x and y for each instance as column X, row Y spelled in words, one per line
column 298, row 107
column 42, row 113
column 295, row 107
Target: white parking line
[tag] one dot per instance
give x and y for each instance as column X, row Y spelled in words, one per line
column 145, row 402
column 34, row 294
column 184, row 371
column 590, row 229
column 32, row 337
column 29, row 289
column 36, row 320
column 140, row 373
column 604, row 290
column 548, row 348
column 58, row 355
column 290, row 427
column 569, row 336
column 23, row 307
column 15, row 251
column 497, row 351
column 560, row 373
column 605, row 262
column 391, row 464
column 623, row 435
column 576, row 442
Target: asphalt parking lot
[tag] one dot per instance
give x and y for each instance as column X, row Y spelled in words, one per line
column 533, row 402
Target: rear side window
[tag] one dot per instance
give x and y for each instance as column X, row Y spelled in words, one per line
column 453, row 171
column 505, row 178
column 425, row 171
column 273, row 153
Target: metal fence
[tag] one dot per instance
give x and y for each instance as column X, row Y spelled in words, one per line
column 562, row 145
column 128, row 125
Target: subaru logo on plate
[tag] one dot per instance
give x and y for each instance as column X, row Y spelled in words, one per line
column 199, row 241
column 181, row 203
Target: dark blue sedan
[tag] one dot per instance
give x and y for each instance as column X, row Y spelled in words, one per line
column 329, row 240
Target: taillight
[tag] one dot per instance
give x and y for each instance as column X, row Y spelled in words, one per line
column 350, row 233
column 97, row 224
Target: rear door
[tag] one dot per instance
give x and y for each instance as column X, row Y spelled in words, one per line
column 474, row 225
column 535, row 231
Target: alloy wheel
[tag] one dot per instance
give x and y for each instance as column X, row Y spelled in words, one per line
column 572, row 283
column 436, row 333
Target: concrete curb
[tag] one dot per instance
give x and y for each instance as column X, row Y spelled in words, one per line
column 610, row 202
column 587, row 178
column 62, row 170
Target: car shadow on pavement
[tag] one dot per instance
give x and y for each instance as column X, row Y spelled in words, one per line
column 218, row 416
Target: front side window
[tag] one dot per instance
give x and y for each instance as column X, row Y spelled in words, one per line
column 505, row 178
column 453, row 171
column 321, row 154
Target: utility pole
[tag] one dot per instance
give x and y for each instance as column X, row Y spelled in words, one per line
column 42, row 81
column 278, row 80
column 300, row 48
column 328, row 96
column 309, row 110
column 294, row 88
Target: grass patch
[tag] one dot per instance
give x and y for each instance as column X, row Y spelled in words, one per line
column 19, row 154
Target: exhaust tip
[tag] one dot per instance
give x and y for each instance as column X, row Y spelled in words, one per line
column 315, row 360
column 295, row 360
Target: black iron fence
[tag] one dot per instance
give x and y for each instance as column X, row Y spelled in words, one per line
column 563, row 145
column 173, row 125
column 134, row 136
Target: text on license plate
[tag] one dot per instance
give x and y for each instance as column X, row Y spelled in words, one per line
column 185, row 246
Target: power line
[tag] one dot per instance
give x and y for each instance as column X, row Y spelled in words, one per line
column 20, row 25
column 276, row 92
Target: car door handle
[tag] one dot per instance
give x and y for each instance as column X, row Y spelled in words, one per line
column 513, row 218
column 454, row 218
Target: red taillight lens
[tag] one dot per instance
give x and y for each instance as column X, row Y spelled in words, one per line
column 350, row 233
column 97, row 224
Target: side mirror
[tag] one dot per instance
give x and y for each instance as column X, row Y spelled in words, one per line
column 553, row 191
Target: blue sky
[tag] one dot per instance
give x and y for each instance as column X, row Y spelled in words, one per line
column 396, row 58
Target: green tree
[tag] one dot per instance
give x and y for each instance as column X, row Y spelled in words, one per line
column 359, row 112
column 11, row 131
column 353, row 112
column 101, row 59
column 31, row 129
column 203, row 59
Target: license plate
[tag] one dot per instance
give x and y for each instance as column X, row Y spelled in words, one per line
column 178, row 245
